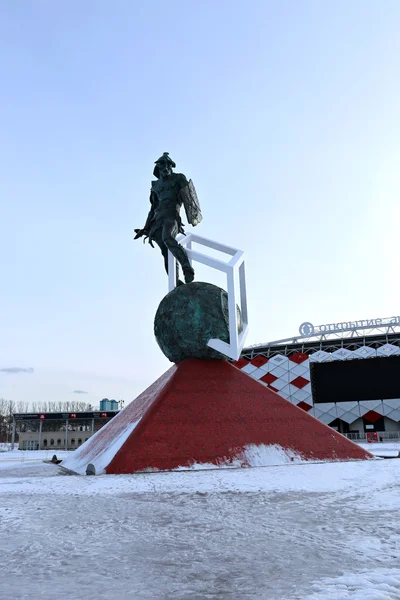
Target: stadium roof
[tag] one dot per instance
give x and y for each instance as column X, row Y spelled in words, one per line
column 329, row 345
column 363, row 329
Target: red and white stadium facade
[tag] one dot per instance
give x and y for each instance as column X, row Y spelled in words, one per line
column 284, row 366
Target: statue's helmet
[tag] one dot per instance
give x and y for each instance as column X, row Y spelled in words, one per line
column 163, row 160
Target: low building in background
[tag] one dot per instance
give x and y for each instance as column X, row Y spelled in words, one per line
column 62, row 431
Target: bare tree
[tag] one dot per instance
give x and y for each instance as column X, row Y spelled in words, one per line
column 12, row 408
column 22, row 406
column 3, row 407
column 7, row 410
column 3, row 420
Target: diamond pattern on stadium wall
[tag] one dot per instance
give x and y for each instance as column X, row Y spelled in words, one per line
column 348, row 411
column 349, row 417
column 284, row 377
column 392, row 403
column 327, row 418
column 258, row 373
column 298, row 357
column 324, row 407
column 388, row 350
column 367, row 405
column 301, row 395
column 279, row 372
column 289, row 389
column 266, row 367
column 278, row 360
column 344, row 407
column 290, row 377
column 259, row 361
column 240, row 363
column 298, row 370
column 280, row 383
column 268, row 378
column 304, row 406
column 365, row 352
column 300, row 382
column 342, row 354
column 320, row 356
column 372, row 416
column 391, row 409
column 249, row 368
column 393, row 414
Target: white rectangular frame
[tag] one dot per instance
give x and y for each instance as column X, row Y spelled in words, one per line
column 235, row 296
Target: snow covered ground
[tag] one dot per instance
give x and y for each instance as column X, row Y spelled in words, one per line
column 382, row 449
column 18, row 456
column 297, row 532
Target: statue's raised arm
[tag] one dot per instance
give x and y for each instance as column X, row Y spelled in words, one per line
column 168, row 193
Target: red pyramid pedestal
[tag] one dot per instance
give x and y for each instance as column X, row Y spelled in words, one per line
column 209, row 412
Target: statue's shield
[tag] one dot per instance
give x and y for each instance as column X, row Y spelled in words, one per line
column 191, row 204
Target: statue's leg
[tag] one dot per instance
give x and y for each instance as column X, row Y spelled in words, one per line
column 157, row 236
column 169, row 232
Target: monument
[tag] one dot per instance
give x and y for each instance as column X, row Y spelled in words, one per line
column 200, row 320
column 163, row 223
column 203, row 412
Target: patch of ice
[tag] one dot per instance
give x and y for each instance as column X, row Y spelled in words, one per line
column 379, row 584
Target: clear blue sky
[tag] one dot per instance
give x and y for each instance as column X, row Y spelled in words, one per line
column 284, row 113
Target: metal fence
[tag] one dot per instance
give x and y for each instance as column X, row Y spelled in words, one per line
column 387, row 436
column 8, row 455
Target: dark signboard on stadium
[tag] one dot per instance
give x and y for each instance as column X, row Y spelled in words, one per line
column 65, row 415
column 354, row 380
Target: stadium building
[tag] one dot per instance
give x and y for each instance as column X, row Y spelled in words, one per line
column 347, row 375
column 57, row 431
